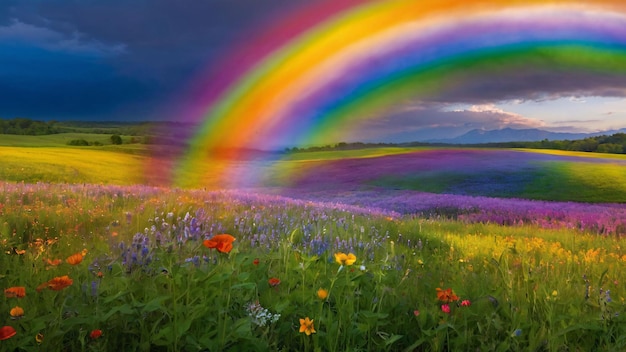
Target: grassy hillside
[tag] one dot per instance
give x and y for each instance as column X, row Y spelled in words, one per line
column 55, row 140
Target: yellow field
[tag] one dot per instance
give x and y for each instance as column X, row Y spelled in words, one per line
column 73, row 165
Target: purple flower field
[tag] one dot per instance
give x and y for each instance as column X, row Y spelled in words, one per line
column 349, row 181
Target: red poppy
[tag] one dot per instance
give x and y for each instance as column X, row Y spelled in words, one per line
column 6, row 332
column 16, row 291
column 95, row 334
column 255, row 261
column 223, row 243
column 274, row 282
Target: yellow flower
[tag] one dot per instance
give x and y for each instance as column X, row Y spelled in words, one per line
column 322, row 294
column 306, row 326
column 345, row 259
column 39, row 338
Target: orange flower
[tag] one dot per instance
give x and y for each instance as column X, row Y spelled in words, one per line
column 95, row 334
column 446, row 295
column 74, row 259
column 274, row 282
column 53, row 262
column 306, row 326
column 17, row 291
column 223, row 243
column 322, row 294
column 16, row 312
column 6, row 332
column 56, row 284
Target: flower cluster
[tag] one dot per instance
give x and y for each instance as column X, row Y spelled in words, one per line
column 259, row 315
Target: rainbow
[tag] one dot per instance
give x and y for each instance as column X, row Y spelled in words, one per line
column 334, row 64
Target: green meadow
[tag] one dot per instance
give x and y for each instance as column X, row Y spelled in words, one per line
column 97, row 262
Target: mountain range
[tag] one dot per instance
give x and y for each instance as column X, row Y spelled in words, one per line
column 478, row 136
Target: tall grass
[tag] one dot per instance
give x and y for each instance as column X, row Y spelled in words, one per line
column 147, row 282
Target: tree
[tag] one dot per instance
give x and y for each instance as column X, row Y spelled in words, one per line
column 116, row 139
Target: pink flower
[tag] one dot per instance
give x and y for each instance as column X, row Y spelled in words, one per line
column 416, row 312
column 445, row 308
column 466, row 303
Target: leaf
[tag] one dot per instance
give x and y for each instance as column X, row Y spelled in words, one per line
column 154, row 304
column 393, row 339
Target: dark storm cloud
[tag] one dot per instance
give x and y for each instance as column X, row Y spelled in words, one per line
column 115, row 58
column 533, row 84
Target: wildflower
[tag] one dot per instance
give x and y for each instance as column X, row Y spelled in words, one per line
column 95, row 334
column 56, row 284
column 16, row 312
column 261, row 316
column 445, row 308
column 74, row 259
column 446, row 295
column 6, row 332
column 466, row 303
column 345, row 259
column 99, row 274
column 223, row 243
column 306, row 326
column 555, row 293
column 416, row 313
column 255, row 261
column 322, row 294
column 39, row 338
column 274, row 282
column 16, row 291
column 53, row 262
column 517, row 332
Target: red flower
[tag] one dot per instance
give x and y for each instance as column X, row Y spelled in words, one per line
column 223, row 243
column 16, row 291
column 274, row 282
column 95, row 334
column 445, row 308
column 255, row 261
column 466, row 303
column 6, row 332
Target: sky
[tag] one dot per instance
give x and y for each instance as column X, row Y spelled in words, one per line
column 139, row 60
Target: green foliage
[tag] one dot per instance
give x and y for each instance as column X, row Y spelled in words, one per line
column 22, row 126
column 116, row 139
column 78, row 142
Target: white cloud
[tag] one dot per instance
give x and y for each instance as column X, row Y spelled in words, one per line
column 76, row 43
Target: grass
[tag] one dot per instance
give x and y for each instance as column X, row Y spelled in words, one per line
column 149, row 284
column 55, row 140
column 354, row 153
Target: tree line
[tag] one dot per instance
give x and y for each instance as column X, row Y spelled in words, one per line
column 615, row 144
column 24, row 126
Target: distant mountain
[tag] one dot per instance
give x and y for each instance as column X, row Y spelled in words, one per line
column 517, row 135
